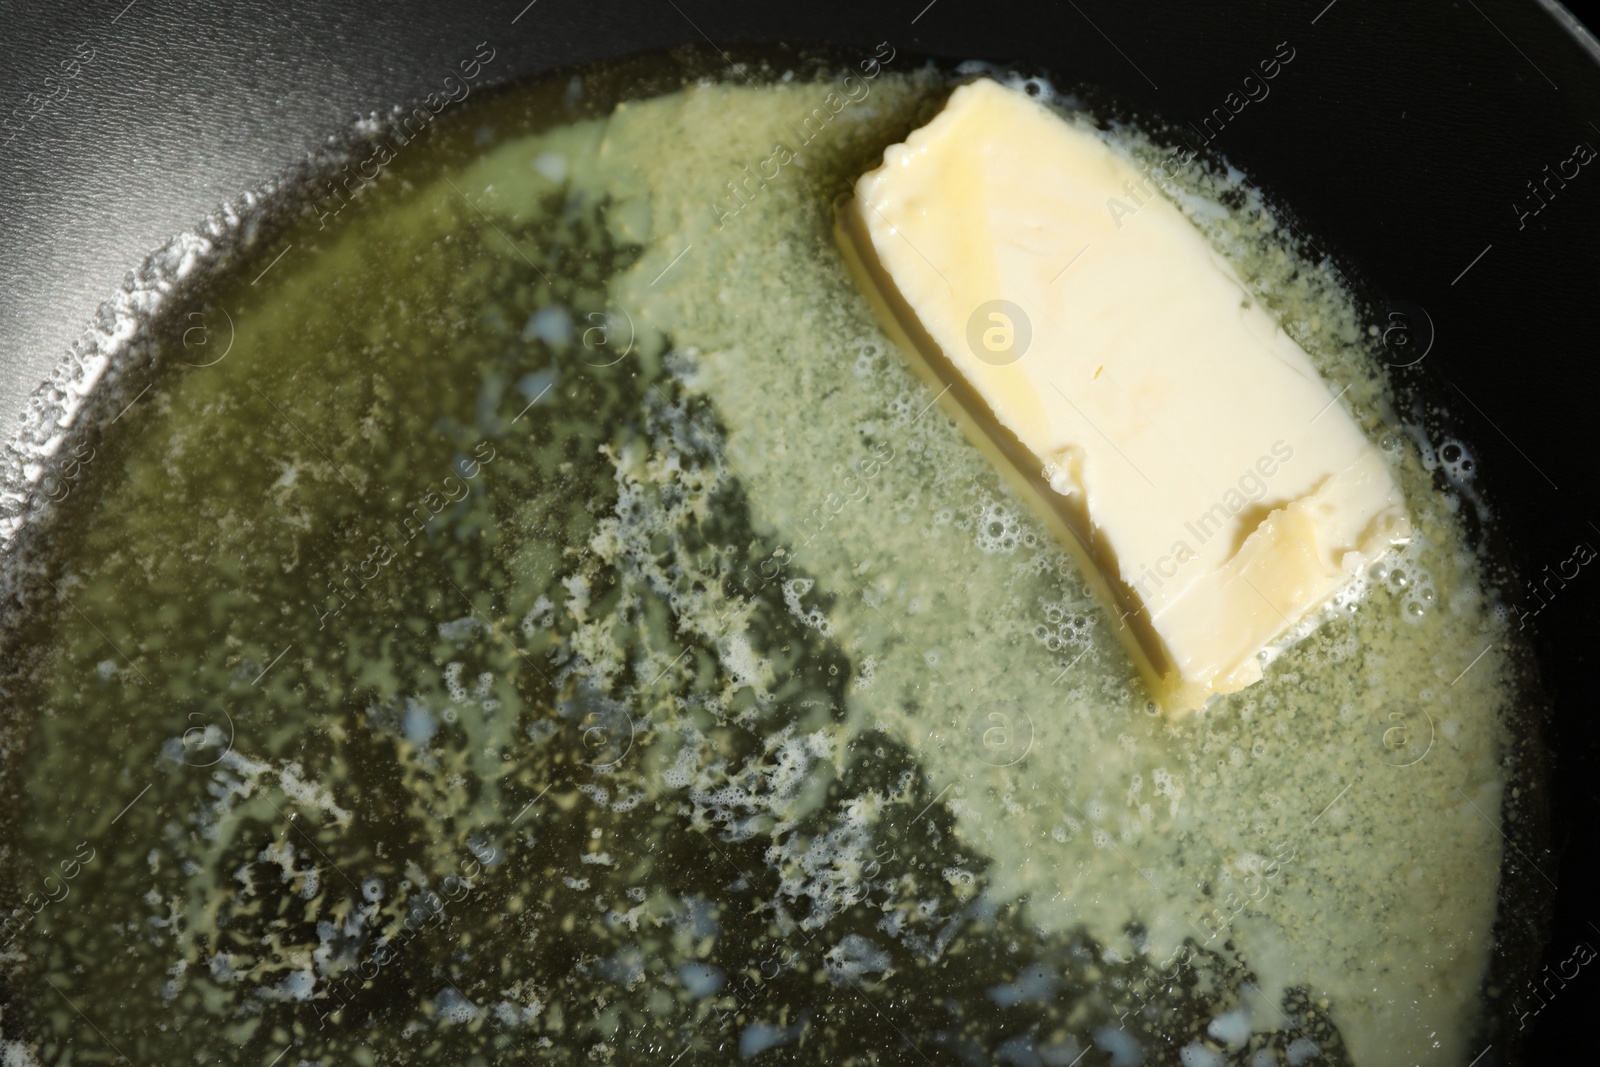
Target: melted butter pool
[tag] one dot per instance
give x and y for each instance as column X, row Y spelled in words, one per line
column 564, row 628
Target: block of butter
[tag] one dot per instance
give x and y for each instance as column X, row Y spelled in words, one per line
column 1092, row 343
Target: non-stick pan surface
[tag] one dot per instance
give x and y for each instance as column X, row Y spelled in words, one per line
column 1403, row 141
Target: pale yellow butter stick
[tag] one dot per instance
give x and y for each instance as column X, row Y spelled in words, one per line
column 1181, row 444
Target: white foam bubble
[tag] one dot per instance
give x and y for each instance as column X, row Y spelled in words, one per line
column 1232, row 1027
column 1300, row 1050
column 793, row 590
column 1198, row 1055
column 999, row 529
column 453, row 682
column 553, row 165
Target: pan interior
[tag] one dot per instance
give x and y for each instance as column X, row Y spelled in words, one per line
column 557, row 623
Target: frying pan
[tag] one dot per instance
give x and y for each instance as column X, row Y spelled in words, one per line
column 1403, row 143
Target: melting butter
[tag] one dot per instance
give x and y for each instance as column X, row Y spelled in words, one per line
column 1180, row 439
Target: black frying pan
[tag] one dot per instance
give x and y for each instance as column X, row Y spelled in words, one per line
column 1403, row 143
